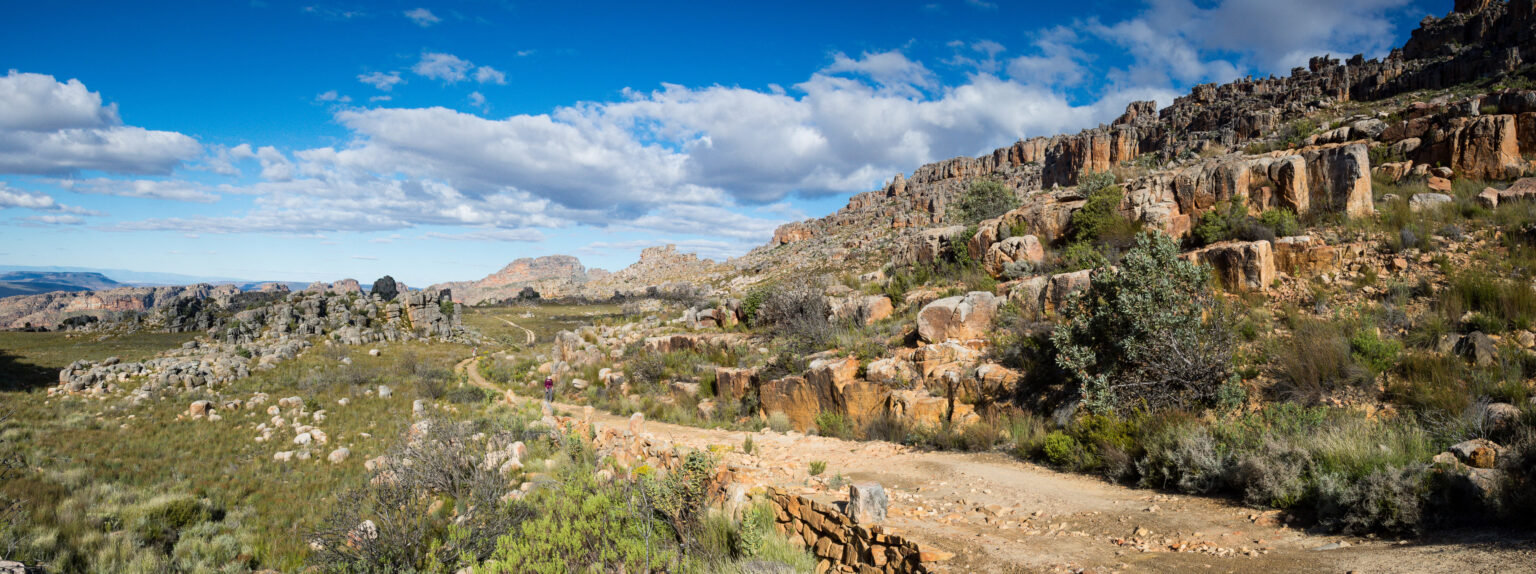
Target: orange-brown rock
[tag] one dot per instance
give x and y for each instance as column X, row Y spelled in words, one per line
column 1239, row 265
column 1487, row 148
column 735, row 383
column 1304, row 256
column 1025, row 249
column 918, row 408
column 798, row 399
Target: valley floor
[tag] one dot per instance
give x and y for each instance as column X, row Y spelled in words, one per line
column 998, row 514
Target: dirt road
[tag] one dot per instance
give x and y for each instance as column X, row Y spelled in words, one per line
column 529, row 332
column 998, row 514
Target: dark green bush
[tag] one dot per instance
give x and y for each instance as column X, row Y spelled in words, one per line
column 1098, row 218
column 1150, row 334
column 984, row 199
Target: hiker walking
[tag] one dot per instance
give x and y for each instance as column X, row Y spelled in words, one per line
column 549, row 389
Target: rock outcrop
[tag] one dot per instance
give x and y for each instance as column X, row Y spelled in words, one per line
column 1239, row 265
column 961, row 317
column 551, row 276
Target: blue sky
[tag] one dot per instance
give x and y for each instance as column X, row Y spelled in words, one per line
column 438, row 141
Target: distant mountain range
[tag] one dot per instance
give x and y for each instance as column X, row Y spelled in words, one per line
column 123, row 277
column 33, row 282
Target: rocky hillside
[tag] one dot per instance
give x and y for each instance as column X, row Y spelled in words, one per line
column 1238, row 139
column 661, row 267
column 552, row 276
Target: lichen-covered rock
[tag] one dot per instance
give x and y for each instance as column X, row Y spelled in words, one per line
column 1304, row 256
column 1240, row 265
column 866, row 502
column 962, row 317
column 1025, row 249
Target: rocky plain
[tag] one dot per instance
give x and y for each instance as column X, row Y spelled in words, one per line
column 1282, row 324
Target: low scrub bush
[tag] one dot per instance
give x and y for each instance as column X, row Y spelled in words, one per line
column 1151, row 334
column 797, row 315
column 1316, row 360
column 390, row 525
column 833, row 424
column 1099, row 219
column 984, row 199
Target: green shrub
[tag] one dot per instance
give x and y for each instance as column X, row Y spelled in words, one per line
column 1229, row 220
column 1100, row 214
column 984, row 199
column 584, row 526
column 754, row 301
column 833, row 424
column 1376, row 353
column 1150, row 334
column 1061, row 449
column 1081, row 255
column 817, row 467
column 1282, row 221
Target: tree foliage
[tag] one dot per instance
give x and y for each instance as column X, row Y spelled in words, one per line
column 1100, row 214
column 985, row 199
column 1150, row 334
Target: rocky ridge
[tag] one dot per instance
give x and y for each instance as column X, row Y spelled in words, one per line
column 1177, row 162
column 258, row 338
column 552, row 276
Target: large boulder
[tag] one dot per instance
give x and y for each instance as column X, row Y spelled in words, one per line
column 861, row 402
column 963, row 317
column 1013, row 249
column 797, row 398
column 1029, row 295
column 1478, row 348
column 1478, row 452
column 996, row 380
column 1339, row 180
column 832, row 372
column 1487, row 148
column 931, row 360
column 918, row 408
column 1522, row 190
column 1240, row 265
column 862, row 309
column 1062, row 286
column 735, row 383
column 1424, row 201
column 928, row 246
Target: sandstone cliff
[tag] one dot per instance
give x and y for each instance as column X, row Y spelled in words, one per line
column 1177, row 162
column 552, row 276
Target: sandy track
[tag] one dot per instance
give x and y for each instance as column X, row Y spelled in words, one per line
column 998, row 514
column 529, row 332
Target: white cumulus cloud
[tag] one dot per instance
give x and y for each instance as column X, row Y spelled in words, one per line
column 48, row 127
column 381, row 80
column 440, row 66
